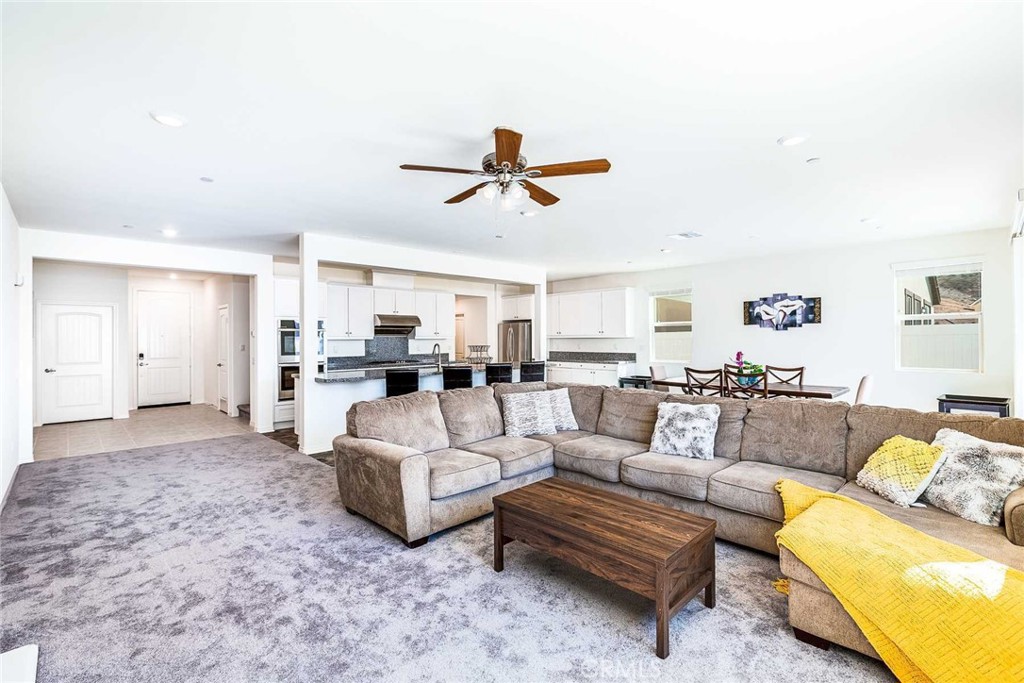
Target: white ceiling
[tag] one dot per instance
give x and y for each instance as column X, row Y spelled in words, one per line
column 302, row 114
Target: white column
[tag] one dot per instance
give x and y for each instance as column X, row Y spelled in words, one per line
column 308, row 314
column 1017, row 253
column 26, row 353
column 263, row 385
column 540, row 321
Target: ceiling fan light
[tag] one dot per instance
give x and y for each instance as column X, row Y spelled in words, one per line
column 487, row 193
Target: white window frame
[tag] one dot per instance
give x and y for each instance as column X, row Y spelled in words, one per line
column 652, row 326
column 964, row 265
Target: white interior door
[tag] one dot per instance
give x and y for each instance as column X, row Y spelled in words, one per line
column 223, row 351
column 76, row 362
column 164, row 364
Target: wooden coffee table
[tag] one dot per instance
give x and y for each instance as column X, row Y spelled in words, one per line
column 662, row 554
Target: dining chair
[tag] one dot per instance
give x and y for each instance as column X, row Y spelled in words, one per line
column 785, row 375
column 498, row 372
column 457, row 377
column 864, row 389
column 531, row 371
column 744, row 384
column 703, row 382
column 399, row 382
column 659, row 372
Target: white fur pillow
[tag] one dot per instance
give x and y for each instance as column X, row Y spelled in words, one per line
column 686, row 429
column 528, row 413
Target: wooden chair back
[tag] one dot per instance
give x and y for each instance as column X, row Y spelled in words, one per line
column 754, row 384
column 785, row 375
column 704, row 382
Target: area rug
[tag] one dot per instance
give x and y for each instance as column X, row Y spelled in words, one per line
column 232, row 560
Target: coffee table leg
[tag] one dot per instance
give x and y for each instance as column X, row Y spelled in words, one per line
column 709, row 590
column 661, row 590
column 499, row 542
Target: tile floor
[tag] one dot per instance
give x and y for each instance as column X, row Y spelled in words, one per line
column 145, row 427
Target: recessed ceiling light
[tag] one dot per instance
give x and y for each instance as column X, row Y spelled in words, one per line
column 499, row 237
column 168, row 119
column 666, row 251
column 206, row 179
column 791, row 140
column 128, row 227
column 813, row 160
column 528, row 214
column 173, row 276
column 685, row 235
column 628, row 262
column 169, row 232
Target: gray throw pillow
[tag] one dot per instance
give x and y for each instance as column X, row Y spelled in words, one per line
column 686, row 429
column 561, row 408
column 976, row 478
column 528, row 413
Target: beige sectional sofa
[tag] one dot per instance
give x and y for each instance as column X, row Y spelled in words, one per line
column 424, row 462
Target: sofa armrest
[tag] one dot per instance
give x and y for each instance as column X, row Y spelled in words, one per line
column 1013, row 516
column 387, row 483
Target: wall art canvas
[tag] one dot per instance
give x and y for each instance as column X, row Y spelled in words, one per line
column 782, row 311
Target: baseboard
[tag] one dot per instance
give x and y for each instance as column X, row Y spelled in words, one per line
column 10, row 486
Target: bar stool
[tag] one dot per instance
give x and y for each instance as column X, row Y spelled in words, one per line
column 531, row 371
column 399, row 382
column 498, row 372
column 457, row 378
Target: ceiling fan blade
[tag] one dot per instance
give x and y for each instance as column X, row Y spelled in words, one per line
column 539, row 194
column 463, row 196
column 506, row 146
column 570, row 168
column 439, row 169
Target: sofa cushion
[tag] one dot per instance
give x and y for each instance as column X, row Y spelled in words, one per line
column 988, row 541
column 597, row 455
column 501, row 389
column 516, row 455
column 870, row 426
column 750, row 487
column 456, row 471
column 686, row 477
column 560, row 437
column 730, row 421
column 470, row 415
column 806, row 434
column 629, row 414
column 413, row 420
column 586, row 402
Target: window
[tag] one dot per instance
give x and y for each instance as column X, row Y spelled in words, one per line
column 671, row 327
column 938, row 311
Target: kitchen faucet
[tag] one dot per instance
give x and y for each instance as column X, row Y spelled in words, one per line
column 436, row 351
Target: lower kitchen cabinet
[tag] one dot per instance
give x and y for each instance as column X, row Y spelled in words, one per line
column 604, row 374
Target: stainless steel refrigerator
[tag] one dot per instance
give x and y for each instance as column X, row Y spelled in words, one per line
column 515, row 341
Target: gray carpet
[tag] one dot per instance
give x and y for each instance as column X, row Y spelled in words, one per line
column 232, row 560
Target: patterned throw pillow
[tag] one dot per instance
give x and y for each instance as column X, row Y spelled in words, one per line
column 561, row 407
column 686, row 429
column 528, row 413
column 976, row 478
column 901, row 469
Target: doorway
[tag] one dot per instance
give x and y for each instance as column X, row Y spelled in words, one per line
column 76, row 362
column 223, row 358
column 164, row 334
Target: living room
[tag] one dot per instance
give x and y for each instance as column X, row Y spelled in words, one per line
column 673, row 204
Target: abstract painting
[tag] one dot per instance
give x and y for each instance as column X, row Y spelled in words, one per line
column 782, row 311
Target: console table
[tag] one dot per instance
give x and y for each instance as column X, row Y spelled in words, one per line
column 950, row 402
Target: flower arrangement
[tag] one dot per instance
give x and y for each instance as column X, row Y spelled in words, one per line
column 746, row 367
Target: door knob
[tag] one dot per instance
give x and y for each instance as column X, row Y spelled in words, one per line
column 142, row 364
column 220, row 365
column 49, row 370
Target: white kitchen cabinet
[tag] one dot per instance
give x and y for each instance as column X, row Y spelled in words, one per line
column 517, row 307
column 394, row 301
column 591, row 315
column 348, row 312
column 287, row 301
column 557, row 374
column 436, row 311
column 604, row 374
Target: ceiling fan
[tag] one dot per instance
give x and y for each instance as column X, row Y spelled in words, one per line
column 509, row 174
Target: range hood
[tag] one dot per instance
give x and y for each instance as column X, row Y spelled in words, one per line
column 395, row 325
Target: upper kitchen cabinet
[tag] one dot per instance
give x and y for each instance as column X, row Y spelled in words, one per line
column 287, row 302
column 349, row 312
column 517, row 307
column 394, row 301
column 591, row 315
column 436, row 311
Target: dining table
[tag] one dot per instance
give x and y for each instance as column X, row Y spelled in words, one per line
column 774, row 388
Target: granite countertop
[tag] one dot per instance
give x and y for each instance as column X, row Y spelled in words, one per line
column 363, row 375
column 590, row 357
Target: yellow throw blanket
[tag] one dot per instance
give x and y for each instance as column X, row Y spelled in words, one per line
column 934, row 611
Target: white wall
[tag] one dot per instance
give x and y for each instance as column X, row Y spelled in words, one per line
column 240, row 342
column 11, row 395
column 858, row 332
column 63, row 283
